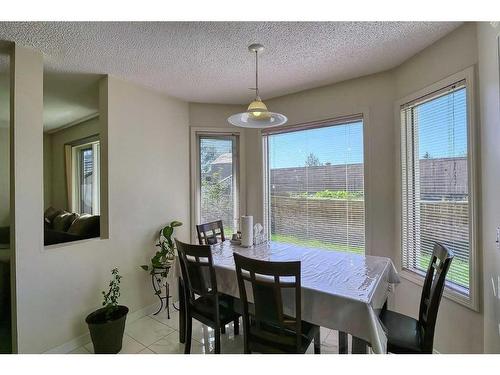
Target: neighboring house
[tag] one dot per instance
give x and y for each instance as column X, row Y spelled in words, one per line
column 222, row 166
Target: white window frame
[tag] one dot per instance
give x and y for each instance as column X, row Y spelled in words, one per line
column 76, row 176
column 472, row 300
column 196, row 133
column 335, row 119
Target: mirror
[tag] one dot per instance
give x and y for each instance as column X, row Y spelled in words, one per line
column 5, row 303
column 71, row 157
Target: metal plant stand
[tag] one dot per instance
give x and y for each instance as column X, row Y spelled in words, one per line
column 158, row 279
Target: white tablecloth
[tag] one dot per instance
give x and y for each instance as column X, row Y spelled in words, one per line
column 340, row 290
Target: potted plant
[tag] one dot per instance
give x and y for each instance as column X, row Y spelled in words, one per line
column 167, row 248
column 107, row 324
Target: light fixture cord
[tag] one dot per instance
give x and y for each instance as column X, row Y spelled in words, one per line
column 257, row 73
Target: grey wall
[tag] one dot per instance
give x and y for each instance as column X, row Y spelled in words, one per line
column 489, row 93
column 54, row 163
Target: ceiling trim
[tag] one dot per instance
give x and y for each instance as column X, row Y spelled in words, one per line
column 73, row 123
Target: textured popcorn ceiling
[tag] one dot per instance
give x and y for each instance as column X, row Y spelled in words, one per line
column 209, row 61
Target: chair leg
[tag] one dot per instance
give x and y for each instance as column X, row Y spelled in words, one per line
column 246, row 332
column 343, row 343
column 317, row 342
column 182, row 312
column 188, row 334
column 217, row 339
column 359, row 346
column 223, row 329
column 237, row 326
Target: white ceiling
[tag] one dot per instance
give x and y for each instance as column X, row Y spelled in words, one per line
column 69, row 97
column 209, row 61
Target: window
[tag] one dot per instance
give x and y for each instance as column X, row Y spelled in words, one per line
column 218, row 180
column 87, row 178
column 436, row 183
column 315, row 185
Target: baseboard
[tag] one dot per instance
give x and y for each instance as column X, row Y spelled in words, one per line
column 75, row 343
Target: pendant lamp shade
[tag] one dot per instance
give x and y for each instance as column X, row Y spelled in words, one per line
column 257, row 115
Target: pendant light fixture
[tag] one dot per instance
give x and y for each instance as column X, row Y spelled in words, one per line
column 257, row 114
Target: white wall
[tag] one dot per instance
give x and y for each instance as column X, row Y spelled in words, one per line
column 212, row 115
column 148, row 187
column 488, row 50
column 4, row 138
column 4, row 176
column 47, row 171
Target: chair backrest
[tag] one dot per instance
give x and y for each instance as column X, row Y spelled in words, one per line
column 432, row 292
column 266, row 281
column 208, row 232
column 197, row 270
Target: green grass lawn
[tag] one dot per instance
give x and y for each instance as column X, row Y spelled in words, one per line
column 458, row 273
column 316, row 243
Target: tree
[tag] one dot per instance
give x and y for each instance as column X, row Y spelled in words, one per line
column 427, row 155
column 207, row 155
column 312, row 161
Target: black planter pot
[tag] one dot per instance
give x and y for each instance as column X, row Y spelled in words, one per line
column 107, row 334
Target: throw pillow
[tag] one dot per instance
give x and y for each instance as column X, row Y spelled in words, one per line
column 51, row 213
column 85, row 225
column 63, row 221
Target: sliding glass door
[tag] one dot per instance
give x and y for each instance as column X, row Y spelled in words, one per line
column 315, row 185
column 218, row 179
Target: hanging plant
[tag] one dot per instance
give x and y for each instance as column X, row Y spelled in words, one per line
column 166, row 253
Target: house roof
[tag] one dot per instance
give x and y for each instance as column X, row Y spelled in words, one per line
column 226, row 158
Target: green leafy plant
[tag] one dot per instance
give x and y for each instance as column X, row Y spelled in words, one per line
column 110, row 302
column 166, row 245
column 329, row 194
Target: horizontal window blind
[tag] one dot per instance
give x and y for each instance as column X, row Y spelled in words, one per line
column 315, row 185
column 435, row 182
column 218, row 176
column 86, row 170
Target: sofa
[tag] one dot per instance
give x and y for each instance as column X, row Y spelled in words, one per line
column 62, row 226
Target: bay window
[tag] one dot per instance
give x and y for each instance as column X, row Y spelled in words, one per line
column 314, row 182
column 437, row 184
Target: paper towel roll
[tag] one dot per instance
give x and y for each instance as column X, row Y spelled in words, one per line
column 246, row 231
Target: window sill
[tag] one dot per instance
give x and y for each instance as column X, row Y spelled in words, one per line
column 71, row 243
column 448, row 293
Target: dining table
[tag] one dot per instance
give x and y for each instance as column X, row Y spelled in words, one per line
column 341, row 290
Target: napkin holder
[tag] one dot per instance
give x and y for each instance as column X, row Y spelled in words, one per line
column 259, row 236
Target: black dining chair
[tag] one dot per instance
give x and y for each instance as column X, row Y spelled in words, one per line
column 406, row 335
column 266, row 328
column 202, row 301
column 208, row 233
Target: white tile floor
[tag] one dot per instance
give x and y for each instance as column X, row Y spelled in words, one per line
column 155, row 334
